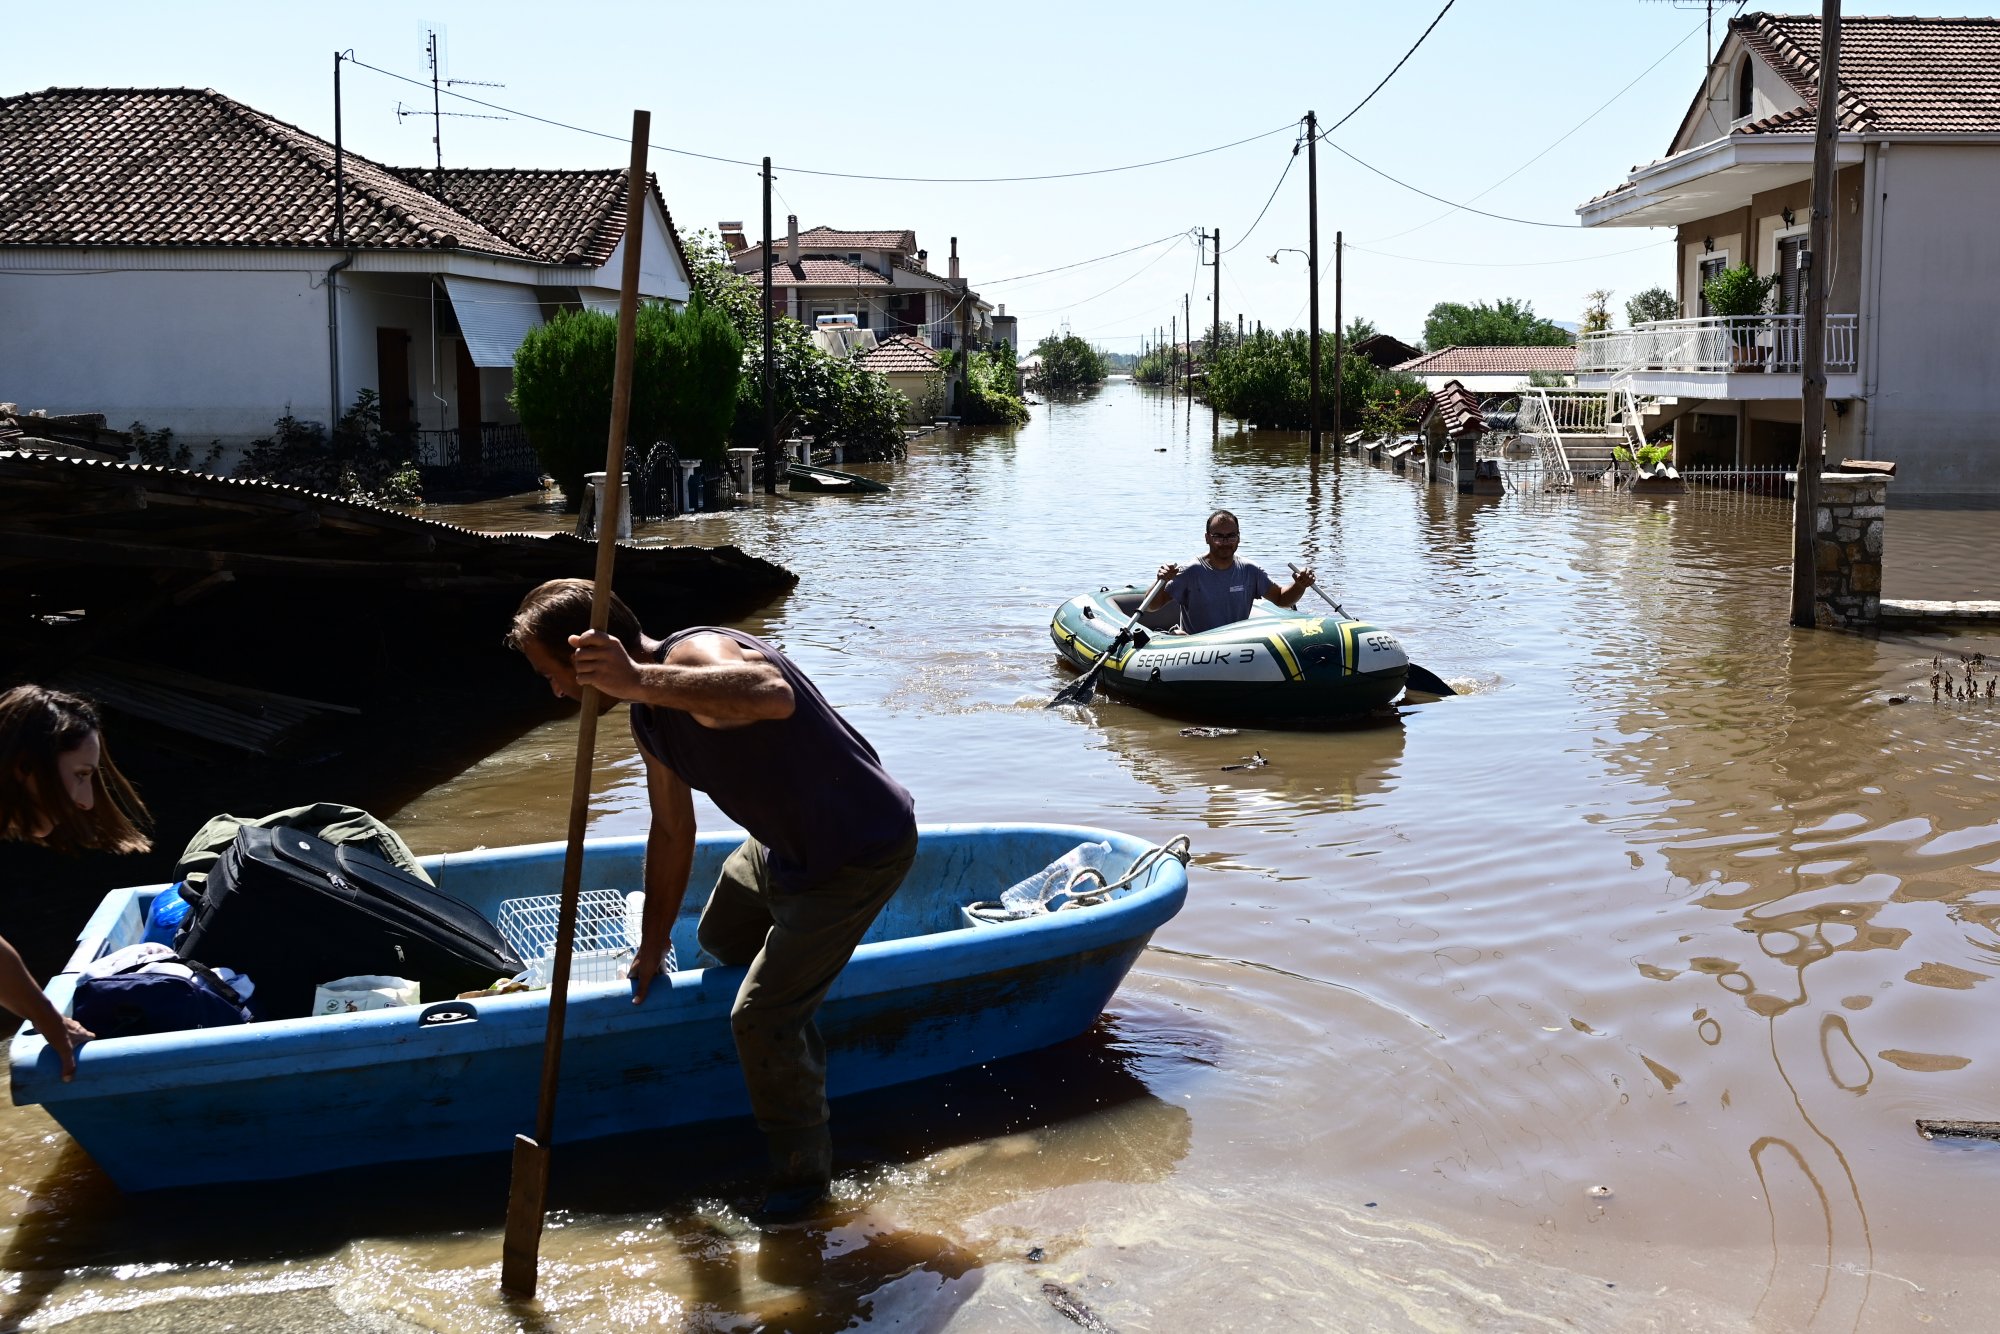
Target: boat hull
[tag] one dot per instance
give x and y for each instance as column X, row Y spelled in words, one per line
column 1275, row 666
column 923, row 996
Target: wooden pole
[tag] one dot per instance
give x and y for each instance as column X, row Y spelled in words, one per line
column 1312, row 261
column 771, row 461
column 1339, row 346
column 527, row 1201
column 1217, row 297
column 1812, row 428
column 1174, row 354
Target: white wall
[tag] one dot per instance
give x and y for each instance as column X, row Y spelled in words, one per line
column 660, row 272
column 213, row 355
column 1935, row 400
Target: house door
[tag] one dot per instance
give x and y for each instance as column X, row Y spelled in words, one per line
column 468, row 408
column 392, row 379
column 1794, row 267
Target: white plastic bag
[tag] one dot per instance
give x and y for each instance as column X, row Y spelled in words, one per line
column 368, row 991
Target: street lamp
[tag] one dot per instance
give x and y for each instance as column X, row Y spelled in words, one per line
column 1286, row 250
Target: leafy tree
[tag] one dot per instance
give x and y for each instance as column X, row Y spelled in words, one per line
column 1153, row 368
column 992, row 395
column 1655, row 303
column 1068, row 362
column 1267, row 380
column 1505, row 323
column 1358, row 329
column 1740, row 291
column 1596, row 311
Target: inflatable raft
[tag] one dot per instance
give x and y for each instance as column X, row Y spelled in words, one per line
column 1276, row 665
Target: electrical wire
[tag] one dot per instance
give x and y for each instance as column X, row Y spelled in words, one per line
column 1516, row 264
column 1558, row 143
column 1244, row 235
column 1502, row 217
column 1391, row 74
column 813, row 171
column 1022, row 277
column 1052, row 310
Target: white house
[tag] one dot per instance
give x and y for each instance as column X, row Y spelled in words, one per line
column 1488, row 370
column 175, row 257
column 1913, row 367
column 879, row 277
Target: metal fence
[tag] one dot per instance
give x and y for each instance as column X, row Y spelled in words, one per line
column 500, row 449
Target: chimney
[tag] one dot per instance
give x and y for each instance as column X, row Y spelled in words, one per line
column 1003, row 311
column 733, row 240
column 953, row 275
column 791, row 238
column 924, row 260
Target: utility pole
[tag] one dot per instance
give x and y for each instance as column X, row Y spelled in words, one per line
column 1187, row 322
column 1239, row 326
column 770, row 426
column 437, row 114
column 1312, row 262
column 1174, row 355
column 1218, row 295
column 1339, row 346
column 339, row 161
column 1812, row 430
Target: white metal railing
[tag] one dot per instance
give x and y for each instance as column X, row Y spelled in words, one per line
column 1541, row 420
column 1767, row 344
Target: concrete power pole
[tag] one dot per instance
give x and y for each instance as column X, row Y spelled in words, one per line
column 1812, row 429
column 1312, row 262
column 1339, row 346
column 770, row 425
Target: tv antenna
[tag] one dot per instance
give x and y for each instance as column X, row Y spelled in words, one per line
column 436, row 113
column 1710, row 7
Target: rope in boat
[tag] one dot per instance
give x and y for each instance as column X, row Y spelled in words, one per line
column 1180, row 849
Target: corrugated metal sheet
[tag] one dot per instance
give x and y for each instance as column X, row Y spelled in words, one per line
column 494, row 317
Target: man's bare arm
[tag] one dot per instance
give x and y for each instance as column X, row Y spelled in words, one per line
column 669, row 855
column 710, row 676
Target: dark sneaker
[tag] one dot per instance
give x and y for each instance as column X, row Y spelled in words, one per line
column 796, row 1202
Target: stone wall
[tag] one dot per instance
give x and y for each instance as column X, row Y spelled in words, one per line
column 1847, row 549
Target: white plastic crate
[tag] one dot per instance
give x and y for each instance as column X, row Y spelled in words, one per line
column 601, row 950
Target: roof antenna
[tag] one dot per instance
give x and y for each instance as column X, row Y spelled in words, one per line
column 437, row 114
column 1709, row 6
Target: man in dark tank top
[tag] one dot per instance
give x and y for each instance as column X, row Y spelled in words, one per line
column 831, row 836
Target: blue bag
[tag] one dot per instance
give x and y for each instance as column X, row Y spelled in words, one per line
column 153, row 990
column 164, row 918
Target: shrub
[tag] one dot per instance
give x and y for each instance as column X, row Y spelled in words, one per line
column 1068, row 363
column 356, row 461
column 157, row 449
column 1655, row 303
column 992, row 387
column 1740, row 291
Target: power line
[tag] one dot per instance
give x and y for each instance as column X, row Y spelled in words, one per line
column 1391, row 74
column 1051, row 310
column 1558, row 143
column 1526, row 222
column 1517, row 264
column 843, row 175
column 1021, row 277
column 1244, row 235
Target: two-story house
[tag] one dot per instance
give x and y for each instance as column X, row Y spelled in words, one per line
column 881, row 278
column 1913, row 368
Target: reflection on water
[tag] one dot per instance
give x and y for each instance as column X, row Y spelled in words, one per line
column 1603, row 996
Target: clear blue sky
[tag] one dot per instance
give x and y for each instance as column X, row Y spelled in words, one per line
column 1018, row 89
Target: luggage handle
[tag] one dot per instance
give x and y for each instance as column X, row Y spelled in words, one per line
column 441, row 1014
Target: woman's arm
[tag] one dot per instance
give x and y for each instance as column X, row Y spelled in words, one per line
column 19, row 993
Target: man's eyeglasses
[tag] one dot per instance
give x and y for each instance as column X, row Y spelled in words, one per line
column 1225, row 537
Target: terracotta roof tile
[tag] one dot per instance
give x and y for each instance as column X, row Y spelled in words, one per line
column 1458, row 407
column 823, row 273
column 1897, row 75
column 564, row 217
column 832, row 238
column 900, row 354
column 1491, row 361
column 190, row 167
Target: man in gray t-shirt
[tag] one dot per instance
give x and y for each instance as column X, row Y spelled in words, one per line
column 1218, row 589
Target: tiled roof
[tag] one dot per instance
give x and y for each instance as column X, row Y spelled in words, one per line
column 1491, row 360
column 1383, row 349
column 822, row 273
column 190, row 167
column 564, row 217
column 1458, row 407
column 1897, row 75
column 900, row 353
column 832, row 238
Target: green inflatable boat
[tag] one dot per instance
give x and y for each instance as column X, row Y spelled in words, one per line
column 1276, row 665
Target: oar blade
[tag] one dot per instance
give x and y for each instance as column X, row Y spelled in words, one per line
column 520, row 1252
column 1427, row 681
column 1078, row 691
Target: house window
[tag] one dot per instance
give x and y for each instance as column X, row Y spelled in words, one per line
column 1706, row 269
column 1794, row 267
column 1746, row 87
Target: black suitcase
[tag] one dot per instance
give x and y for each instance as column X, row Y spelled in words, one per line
column 293, row 912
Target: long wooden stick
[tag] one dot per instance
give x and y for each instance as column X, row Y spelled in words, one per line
column 526, row 1202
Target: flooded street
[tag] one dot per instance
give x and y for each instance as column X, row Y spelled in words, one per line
column 1601, row 997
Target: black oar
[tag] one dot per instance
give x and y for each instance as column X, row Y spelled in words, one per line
column 1080, row 690
column 1419, row 678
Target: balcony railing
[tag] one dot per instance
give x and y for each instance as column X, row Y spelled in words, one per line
column 501, row 449
column 1718, row 344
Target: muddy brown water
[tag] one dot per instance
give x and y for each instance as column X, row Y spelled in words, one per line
column 1602, row 997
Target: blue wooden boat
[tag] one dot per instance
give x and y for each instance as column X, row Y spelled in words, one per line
column 929, row 991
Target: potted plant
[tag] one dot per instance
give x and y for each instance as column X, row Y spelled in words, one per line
column 1741, row 292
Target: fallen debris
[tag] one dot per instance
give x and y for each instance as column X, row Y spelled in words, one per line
column 1072, row 1306
column 1255, row 760
column 1958, row 1129
column 1208, row 731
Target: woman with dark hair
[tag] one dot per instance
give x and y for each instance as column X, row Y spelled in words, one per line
column 58, row 788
